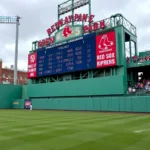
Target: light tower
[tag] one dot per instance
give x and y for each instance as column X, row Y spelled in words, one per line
column 13, row 20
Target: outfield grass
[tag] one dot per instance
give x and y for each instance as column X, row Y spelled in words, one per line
column 48, row 130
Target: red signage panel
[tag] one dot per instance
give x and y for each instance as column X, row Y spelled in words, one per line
column 32, row 59
column 106, row 50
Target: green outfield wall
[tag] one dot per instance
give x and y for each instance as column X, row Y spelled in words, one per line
column 114, row 104
column 13, row 97
column 8, row 93
column 94, row 86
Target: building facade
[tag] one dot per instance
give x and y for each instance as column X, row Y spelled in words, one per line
column 7, row 75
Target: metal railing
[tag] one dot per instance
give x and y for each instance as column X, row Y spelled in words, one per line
column 118, row 19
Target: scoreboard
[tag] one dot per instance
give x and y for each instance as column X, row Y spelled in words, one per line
column 88, row 52
column 70, row 57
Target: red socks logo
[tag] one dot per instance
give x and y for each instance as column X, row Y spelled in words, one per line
column 67, row 31
column 104, row 43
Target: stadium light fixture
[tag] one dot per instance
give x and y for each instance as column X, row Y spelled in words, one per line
column 13, row 20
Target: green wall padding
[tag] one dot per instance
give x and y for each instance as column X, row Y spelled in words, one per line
column 24, row 92
column 97, row 86
column 114, row 104
column 8, row 93
column 18, row 104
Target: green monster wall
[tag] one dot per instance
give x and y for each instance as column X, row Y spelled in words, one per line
column 13, row 97
column 93, row 86
column 9, row 93
column 19, row 103
column 93, row 94
column 119, row 104
column 114, row 104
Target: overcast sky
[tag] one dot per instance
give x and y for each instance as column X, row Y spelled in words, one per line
column 38, row 15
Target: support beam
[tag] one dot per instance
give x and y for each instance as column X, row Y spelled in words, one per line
column 13, row 20
column 16, row 51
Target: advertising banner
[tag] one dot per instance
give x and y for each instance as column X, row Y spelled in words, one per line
column 106, row 50
column 32, row 61
column 27, row 104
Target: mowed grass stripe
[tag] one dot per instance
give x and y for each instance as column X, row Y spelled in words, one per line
column 61, row 119
column 29, row 124
column 105, row 117
column 29, row 116
column 61, row 130
column 14, row 118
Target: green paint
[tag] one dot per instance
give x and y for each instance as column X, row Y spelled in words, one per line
column 8, row 93
column 115, row 104
column 18, row 104
column 76, row 32
column 94, row 86
column 24, row 92
column 137, row 64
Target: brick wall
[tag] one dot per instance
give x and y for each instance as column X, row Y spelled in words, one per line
column 7, row 75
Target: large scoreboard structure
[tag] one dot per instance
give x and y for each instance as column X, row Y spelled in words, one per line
column 85, row 64
column 74, row 56
column 83, row 53
column 78, row 47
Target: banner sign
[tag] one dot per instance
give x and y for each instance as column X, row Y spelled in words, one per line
column 106, row 50
column 27, row 104
column 32, row 60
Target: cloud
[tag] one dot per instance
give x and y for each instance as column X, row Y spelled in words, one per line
column 38, row 15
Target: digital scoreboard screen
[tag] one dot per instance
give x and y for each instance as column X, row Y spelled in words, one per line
column 74, row 56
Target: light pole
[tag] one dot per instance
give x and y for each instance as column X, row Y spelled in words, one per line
column 13, row 20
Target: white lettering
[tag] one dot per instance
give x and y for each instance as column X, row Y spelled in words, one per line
column 100, row 63
column 32, row 70
column 101, row 57
column 31, row 74
column 105, row 62
column 110, row 55
column 112, row 61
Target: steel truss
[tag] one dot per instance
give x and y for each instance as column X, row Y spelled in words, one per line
column 96, row 73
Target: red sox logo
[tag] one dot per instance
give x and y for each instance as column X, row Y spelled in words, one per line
column 67, row 31
column 104, row 43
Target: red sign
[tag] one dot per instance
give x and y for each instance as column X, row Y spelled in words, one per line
column 32, row 58
column 67, row 31
column 47, row 41
column 69, row 19
column 106, row 50
column 93, row 26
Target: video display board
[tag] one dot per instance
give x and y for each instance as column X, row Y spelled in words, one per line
column 74, row 56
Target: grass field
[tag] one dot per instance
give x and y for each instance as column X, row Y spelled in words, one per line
column 48, row 130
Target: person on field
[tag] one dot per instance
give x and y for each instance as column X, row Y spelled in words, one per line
column 30, row 106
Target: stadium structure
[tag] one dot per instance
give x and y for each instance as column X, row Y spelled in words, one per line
column 88, row 65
